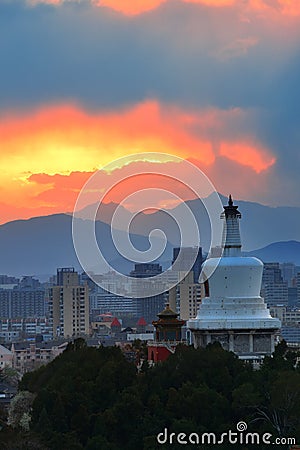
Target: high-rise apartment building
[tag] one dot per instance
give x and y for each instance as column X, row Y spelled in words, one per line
column 288, row 272
column 147, row 307
column 188, row 259
column 69, row 305
column 274, row 288
column 185, row 297
column 103, row 301
column 26, row 299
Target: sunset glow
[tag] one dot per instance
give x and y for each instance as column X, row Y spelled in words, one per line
column 66, row 140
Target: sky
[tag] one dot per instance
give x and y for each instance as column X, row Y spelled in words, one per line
column 83, row 83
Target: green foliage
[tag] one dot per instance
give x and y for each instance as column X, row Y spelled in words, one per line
column 19, row 414
column 9, row 375
column 282, row 359
column 94, row 399
column 77, row 344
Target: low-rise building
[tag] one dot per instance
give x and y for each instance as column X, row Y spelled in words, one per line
column 7, row 393
column 6, row 357
column 29, row 356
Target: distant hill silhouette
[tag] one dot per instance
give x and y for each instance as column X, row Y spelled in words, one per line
column 288, row 251
column 41, row 244
column 260, row 225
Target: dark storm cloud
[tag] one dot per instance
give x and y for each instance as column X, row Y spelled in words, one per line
column 177, row 53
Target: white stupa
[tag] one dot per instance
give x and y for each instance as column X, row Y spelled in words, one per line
column 233, row 312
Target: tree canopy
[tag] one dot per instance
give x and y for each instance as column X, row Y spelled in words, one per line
column 93, row 399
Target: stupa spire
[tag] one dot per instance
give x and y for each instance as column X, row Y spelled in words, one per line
column 232, row 238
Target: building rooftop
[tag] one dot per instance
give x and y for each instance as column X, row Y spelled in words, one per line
column 115, row 323
column 4, row 350
column 141, row 322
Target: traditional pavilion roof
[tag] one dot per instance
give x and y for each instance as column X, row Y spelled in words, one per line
column 167, row 313
column 168, row 318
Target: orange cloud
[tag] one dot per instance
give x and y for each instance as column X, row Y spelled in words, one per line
column 136, row 7
column 213, row 3
column 130, row 7
column 116, row 186
column 289, row 7
column 247, row 154
column 40, row 150
column 64, row 138
column 62, row 190
column 46, row 2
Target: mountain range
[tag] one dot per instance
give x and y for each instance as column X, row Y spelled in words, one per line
column 260, row 225
column 286, row 251
column 39, row 245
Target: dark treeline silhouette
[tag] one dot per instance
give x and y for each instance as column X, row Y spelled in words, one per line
column 95, row 399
